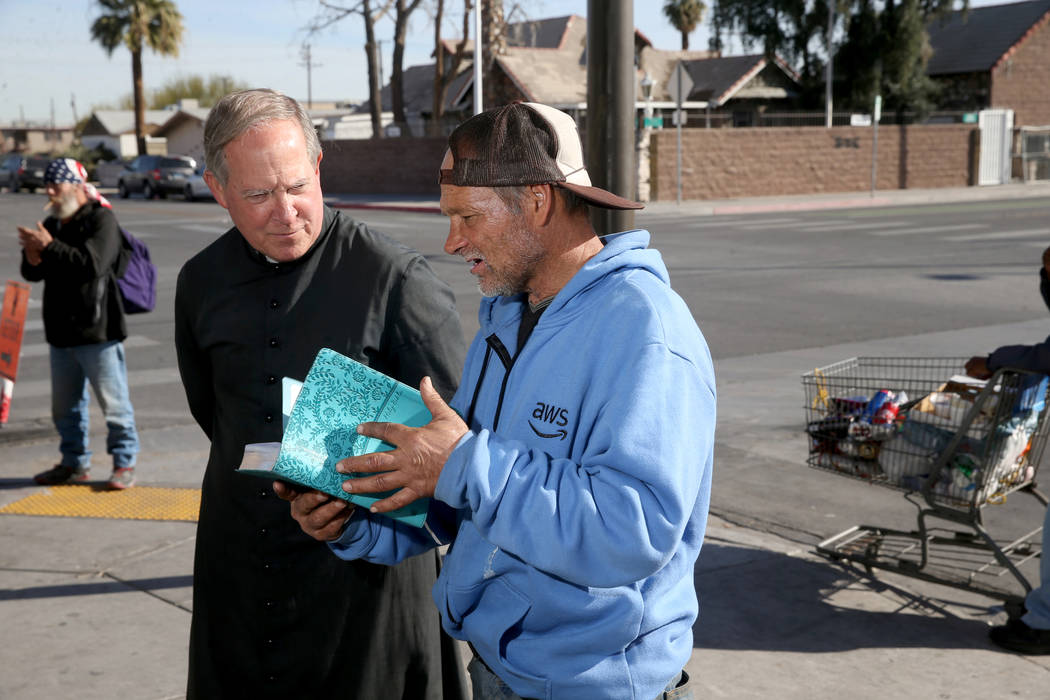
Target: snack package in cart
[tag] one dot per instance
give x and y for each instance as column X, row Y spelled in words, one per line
column 878, row 421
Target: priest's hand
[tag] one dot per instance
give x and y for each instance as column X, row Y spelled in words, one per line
column 318, row 514
column 413, row 468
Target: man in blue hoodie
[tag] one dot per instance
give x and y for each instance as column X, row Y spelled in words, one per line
column 572, row 471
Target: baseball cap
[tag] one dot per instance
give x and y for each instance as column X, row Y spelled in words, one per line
column 524, row 143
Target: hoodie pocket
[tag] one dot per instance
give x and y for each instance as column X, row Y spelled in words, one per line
column 491, row 616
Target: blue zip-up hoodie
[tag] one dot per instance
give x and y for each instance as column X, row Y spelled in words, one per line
column 582, row 489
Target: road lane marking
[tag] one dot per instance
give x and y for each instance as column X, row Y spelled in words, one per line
column 40, row 388
column 768, row 223
column 132, row 341
column 183, row 220
column 1027, row 233
column 822, row 228
column 204, row 228
column 928, row 229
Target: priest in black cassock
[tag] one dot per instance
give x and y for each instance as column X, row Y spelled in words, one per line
column 274, row 613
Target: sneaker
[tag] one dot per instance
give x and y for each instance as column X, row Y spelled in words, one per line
column 1017, row 636
column 61, row 474
column 122, row 478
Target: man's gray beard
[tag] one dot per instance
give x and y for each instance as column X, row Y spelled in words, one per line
column 527, row 252
column 66, row 207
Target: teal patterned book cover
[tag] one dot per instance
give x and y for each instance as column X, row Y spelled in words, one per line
column 321, row 428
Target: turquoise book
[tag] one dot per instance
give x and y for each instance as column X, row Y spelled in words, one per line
column 321, row 415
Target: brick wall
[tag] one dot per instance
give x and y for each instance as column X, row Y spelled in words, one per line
column 382, row 166
column 1020, row 82
column 726, row 163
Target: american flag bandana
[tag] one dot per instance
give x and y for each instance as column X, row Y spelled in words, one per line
column 69, row 170
column 65, row 170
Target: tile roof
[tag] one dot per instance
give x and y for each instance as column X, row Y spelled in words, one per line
column 555, row 78
column 717, row 80
column 122, row 121
column 977, row 41
column 659, row 64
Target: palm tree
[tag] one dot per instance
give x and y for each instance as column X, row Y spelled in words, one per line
column 156, row 24
column 684, row 15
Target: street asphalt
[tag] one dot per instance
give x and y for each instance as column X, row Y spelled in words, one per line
column 99, row 607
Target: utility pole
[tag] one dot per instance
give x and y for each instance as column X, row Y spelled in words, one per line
column 310, row 65
column 828, row 67
column 611, row 107
column 379, row 55
column 73, row 105
column 478, row 87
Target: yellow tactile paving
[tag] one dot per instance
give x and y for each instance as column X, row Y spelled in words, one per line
column 85, row 501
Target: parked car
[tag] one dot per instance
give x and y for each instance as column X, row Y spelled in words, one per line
column 155, row 175
column 196, row 187
column 10, row 167
column 108, row 172
column 18, row 171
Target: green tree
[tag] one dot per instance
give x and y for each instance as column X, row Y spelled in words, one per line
column 905, row 85
column 783, row 28
column 156, row 24
column 885, row 48
column 885, row 53
column 206, row 91
column 860, row 77
column 684, row 15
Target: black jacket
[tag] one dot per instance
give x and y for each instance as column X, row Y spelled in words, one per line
column 81, row 300
column 1035, row 358
column 275, row 613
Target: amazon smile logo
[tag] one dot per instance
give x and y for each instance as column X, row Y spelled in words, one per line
column 553, row 415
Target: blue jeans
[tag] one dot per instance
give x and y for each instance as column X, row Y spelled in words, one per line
column 1037, row 602
column 102, row 365
column 488, row 686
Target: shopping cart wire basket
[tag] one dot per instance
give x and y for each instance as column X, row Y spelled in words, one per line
column 953, row 444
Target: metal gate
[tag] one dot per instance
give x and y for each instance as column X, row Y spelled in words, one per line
column 1035, row 152
column 996, row 134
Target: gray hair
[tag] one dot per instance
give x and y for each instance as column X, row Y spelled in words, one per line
column 242, row 111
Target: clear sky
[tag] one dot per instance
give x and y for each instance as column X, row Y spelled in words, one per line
column 48, row 60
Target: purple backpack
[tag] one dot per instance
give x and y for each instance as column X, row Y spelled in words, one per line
column 138, row 279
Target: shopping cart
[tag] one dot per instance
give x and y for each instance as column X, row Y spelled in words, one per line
column 953, row 444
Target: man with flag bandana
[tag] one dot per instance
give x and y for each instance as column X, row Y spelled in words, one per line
column 76, row 252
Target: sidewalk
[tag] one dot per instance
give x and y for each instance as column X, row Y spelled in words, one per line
column 747, row 205
column 98, row 608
